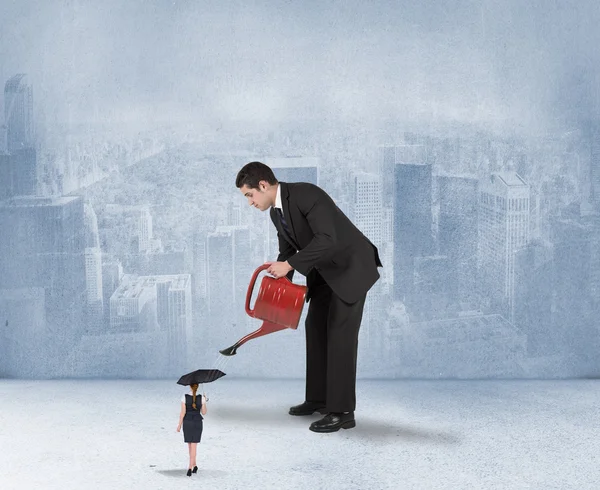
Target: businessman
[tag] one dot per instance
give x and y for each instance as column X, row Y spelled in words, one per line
column 340, row 264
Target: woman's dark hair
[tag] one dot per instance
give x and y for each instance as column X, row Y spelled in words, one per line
column 252, row 173
column 194, row 388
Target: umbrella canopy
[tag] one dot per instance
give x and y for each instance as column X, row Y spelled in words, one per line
column 200, row 376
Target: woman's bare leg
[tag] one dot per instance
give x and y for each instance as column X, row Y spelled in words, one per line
column 193, row 454
column 191, row 451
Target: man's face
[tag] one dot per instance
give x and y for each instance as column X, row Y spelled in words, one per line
column 258, row 198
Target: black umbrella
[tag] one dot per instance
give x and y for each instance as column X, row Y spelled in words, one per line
column 200, row 376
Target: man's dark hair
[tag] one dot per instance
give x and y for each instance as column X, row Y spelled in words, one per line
column 252, row 173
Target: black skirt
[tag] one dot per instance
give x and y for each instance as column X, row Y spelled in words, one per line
column 192, row 427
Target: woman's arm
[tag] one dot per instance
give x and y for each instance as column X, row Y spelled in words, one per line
column 181, row 415
column 203, row 409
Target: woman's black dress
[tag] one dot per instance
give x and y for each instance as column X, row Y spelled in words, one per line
column 192, row 421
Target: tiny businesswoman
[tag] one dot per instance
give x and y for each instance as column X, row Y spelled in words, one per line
column 191, row 418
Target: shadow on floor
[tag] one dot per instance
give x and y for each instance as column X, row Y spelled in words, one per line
column 181, row 473
column 268, row 416
column 367, row 427
column 383, row 431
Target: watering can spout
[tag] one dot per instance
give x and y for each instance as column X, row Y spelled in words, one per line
column 265, row 328
column 230, row 351
column 279, row 304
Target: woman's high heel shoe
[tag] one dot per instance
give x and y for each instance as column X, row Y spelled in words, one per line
column 189, row 472
column 195, row 470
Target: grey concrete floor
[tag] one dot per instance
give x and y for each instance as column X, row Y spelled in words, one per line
column 409, row 435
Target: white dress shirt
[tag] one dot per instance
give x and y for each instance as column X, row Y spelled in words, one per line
column 278, row 203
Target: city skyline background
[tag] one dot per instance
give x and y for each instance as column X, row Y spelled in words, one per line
column 464, row 142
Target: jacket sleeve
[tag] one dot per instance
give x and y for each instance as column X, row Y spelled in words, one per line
column 320, row 214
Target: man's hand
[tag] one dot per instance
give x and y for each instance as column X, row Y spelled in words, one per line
column 279, row 269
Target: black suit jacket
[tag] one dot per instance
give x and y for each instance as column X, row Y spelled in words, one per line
column 324, row 240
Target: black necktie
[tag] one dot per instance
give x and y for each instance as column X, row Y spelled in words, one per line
column 283, row 222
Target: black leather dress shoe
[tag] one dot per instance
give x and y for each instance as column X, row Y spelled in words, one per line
column 307, row 408
column 332, row 422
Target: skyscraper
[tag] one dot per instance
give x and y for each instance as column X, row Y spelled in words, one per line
column 389, row 156
column 131, row 305
column 93, row 270
column 93, row 279
column 595, row 164
column 145, row 230
column 199, row 274
column 127, row 229
column 367, row 215
column 22, row 331
column 20, row 138
column 534, row 282
column 3, row 142
column 229, row 270
column 174, row 313
column 457, row 231
column 42, row 245
column 23, row 167
column 412, row 223
column 18, row 113
column 576, row 281
column 112, row 274
column 387, row 250
column 387, row 163
column 367, row 212
column 503, row 225
column 295, row 169
column 6, row 176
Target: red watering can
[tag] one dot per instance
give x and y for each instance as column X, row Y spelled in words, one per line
column 279, row 305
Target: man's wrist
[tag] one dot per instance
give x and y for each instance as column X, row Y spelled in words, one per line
column 288, row 264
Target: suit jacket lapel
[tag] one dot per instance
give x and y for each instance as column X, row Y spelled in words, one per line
column 285, row 196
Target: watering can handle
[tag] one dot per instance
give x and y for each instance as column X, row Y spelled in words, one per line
column 253, row 282
column 251, row 287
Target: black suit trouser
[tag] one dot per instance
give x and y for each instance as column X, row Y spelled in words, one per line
column 331, row 349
